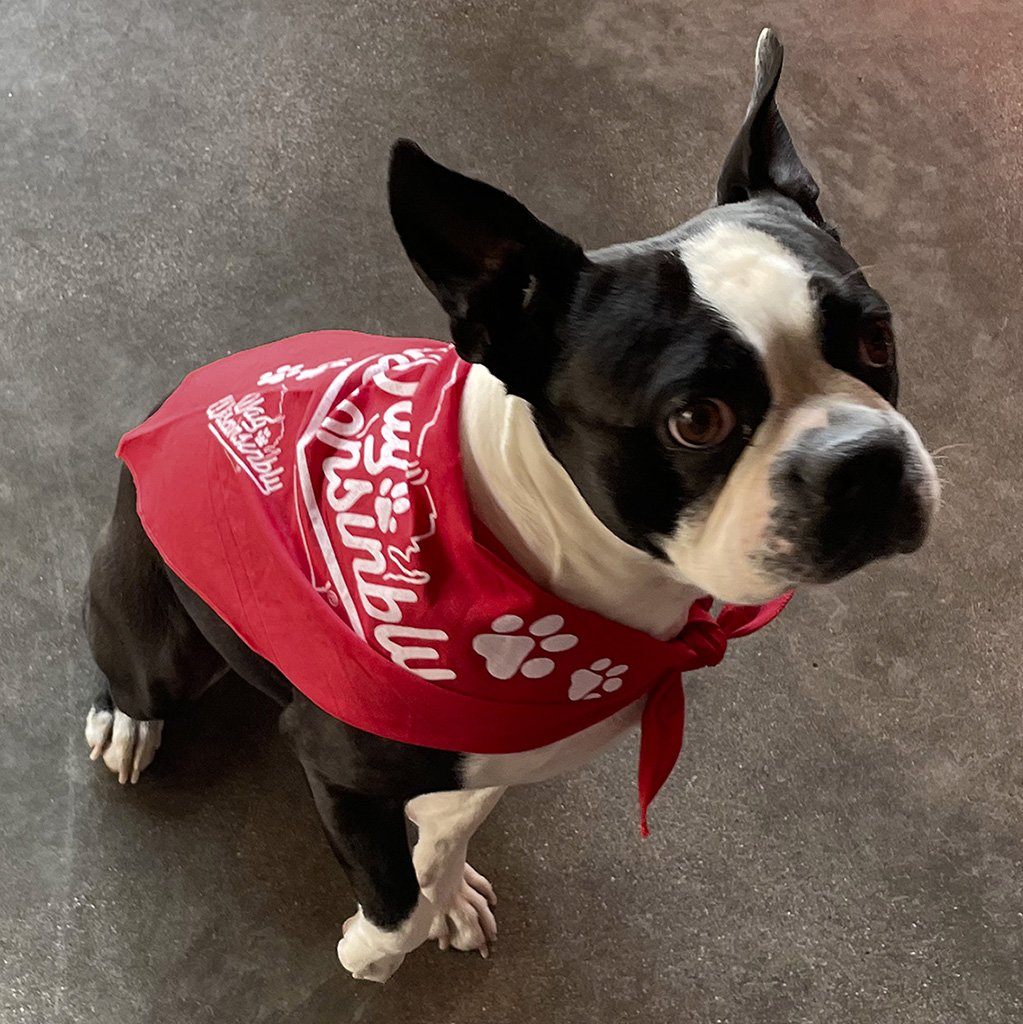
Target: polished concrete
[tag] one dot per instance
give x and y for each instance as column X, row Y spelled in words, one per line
column 842, row 839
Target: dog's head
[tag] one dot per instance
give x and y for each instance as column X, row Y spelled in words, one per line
column 723, row 395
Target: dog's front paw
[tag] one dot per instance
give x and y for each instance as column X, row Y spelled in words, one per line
column 367, row 952
column 468, row 924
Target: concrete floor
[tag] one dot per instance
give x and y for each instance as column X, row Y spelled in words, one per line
column 842, row 839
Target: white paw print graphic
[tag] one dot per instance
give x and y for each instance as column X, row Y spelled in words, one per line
column 507, row 650
column 391, row 502
column 593, row 682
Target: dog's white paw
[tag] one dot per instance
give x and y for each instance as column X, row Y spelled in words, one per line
column 468, row 923
column 366, row 952
column 127, row 745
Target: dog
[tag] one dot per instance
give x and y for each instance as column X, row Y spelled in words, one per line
column 707, row 412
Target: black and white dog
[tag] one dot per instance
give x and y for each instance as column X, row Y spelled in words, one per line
column 711, row 411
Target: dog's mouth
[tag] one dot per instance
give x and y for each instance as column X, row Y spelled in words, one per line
column 830, row 570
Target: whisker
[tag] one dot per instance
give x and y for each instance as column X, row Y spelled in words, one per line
column 857, row 270
column 949, row 447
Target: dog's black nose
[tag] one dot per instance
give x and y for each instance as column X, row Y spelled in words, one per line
column 855, row 500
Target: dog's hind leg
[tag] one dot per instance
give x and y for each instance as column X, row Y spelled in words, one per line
column 127, row 745
column 145, row 643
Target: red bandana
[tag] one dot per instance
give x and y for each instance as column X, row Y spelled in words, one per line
column 310, row 491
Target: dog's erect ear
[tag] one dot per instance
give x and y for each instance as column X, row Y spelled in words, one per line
column 763, row 158
column 499, row 273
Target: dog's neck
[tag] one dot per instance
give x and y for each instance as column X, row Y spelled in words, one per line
column 527, row 500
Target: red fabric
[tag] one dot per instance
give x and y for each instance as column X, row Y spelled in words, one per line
column 310, row 491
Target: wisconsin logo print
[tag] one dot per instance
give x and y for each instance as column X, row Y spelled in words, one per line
column 250, row 430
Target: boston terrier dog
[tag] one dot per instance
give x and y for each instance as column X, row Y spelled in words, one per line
column 707, row 412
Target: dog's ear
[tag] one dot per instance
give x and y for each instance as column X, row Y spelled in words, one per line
column 763, row 158
column 500, row 274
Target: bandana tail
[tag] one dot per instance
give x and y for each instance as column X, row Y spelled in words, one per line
column 664, row 719
column 740, row 620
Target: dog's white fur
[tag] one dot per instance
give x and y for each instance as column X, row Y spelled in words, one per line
column 762, row 290
column 127, row 745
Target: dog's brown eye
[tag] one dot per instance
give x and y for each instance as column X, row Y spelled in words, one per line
column 876, row 346
column 702, row 424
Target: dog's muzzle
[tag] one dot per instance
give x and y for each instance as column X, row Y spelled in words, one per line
column 848, row 493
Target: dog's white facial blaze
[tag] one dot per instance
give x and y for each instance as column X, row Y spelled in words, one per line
column 761, row 290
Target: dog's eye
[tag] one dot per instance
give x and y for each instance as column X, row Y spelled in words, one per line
column 702, row 423
column 876, row 346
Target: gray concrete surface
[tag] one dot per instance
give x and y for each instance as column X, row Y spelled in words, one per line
column 841, row 841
